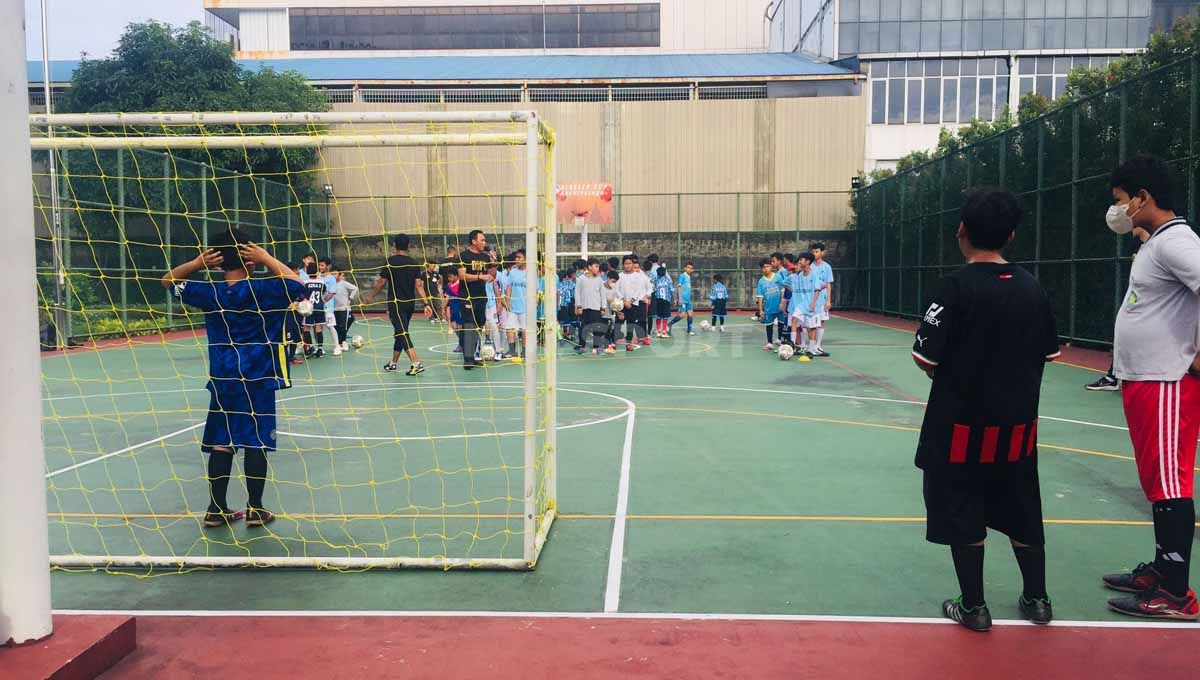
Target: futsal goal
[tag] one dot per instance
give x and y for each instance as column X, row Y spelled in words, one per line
column 447, row 469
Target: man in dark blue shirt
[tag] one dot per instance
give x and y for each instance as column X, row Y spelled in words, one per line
column 245, row 320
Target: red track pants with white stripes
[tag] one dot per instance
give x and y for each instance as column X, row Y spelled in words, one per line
column 1164, row 419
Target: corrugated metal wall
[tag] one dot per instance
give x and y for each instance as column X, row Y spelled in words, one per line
column 736, row 165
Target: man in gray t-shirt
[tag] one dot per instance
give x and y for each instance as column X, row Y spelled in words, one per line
column 1155, row 356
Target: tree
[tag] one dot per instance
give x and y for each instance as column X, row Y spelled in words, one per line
column 159, row 67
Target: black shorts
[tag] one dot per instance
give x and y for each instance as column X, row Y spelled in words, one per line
column 718, row 307
column 962, row 502
column 662, row 308
column 400, row 316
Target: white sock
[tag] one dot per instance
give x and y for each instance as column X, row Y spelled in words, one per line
column 820, row 336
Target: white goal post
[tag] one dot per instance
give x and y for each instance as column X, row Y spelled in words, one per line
column 539, row 430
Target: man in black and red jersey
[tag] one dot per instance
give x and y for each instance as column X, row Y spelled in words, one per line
column 986, row 337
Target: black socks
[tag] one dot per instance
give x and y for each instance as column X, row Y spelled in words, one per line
column 256, row 476
column 1174, row 526
column 1032, row 561
column 220, row 464
column 968, row 564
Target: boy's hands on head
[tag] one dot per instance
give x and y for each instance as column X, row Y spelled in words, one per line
column 210, row 259
column 252, row 252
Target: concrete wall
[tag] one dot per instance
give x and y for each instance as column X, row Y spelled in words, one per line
column 801, row 151
column 686, row 26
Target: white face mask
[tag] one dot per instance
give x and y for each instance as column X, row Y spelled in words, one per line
column 1118, row 219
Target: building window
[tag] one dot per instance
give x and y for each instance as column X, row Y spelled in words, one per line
column 932, row 91
column 907, row 26
column 497, row 27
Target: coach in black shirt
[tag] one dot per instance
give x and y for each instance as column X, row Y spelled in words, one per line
column 473, row 271
column 402, row 276
column 984, row 341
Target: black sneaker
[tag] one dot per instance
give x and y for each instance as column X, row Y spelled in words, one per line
column 1036, row 610
column 389, row 368
column 320, row 353
column 1143, row 578
column 1106, row 383
column 978, row 619
column 1157, row 604
column 415, row 369
column 220, row 519
column 257, row 517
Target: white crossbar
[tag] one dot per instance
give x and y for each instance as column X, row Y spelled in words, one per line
column 277, row 141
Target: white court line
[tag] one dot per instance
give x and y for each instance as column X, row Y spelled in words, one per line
column 630, row 616
column 127, row 449
column 616, row 550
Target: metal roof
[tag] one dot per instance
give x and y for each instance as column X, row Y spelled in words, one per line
column 523, row 68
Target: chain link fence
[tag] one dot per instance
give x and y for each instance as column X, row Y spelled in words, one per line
column 1058, row 165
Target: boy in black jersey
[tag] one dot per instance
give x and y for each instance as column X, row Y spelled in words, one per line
column 985, row 340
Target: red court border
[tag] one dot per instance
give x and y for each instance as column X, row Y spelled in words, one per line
column 615, row 647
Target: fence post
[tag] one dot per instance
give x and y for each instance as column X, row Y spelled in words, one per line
column 679, row 231
column 900, row 250
column 1193, row 130
column 122, row 239
column 1037, row 216
column 1003, row 155
column 66, row 252
column 167, row 232
column 1074, row 218
column 1122, row 154
column 203, row 207
column 738, row 238
column 262, row 202
column 620, row 222
column 798, row 219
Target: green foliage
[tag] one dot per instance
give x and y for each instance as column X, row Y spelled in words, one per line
column 159, row 67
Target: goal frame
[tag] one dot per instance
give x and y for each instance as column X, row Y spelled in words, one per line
column 540, row 222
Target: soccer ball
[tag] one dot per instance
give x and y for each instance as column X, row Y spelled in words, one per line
column 618, row 305
column 705, row 326
column 357, row 342
column 304, row 307
column 786, row 352
column 488, row 353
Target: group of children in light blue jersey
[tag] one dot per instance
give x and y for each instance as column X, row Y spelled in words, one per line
column 794, row 297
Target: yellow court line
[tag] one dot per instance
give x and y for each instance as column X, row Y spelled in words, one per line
column 642, row 517
column 835, row 421
column 901, row 330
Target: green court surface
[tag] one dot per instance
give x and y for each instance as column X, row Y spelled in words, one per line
column 754, row 486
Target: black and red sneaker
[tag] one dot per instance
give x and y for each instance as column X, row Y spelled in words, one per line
column 1144, row 577
column 257, row 517
column 221, row 519
column 1158, row 604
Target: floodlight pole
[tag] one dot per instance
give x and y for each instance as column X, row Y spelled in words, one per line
column 24, row 543
column 62, row 333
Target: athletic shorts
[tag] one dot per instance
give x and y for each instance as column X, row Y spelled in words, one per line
column 823, row 314
column 241, row 413
column 802, row 320
column 1164, row 418
column 514, row 321
column 491, row 318
column 317, row 318
column 685, row 306
column 400, row 316
column 662, row 308
column 719, row 307
column 566, row 315
column 774, row 317
column 963, row 501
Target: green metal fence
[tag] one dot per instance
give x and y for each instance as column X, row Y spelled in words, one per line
column 1059, row 166
column 125, row 217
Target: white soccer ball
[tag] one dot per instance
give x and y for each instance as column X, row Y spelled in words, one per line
column 705, row 326
column 488, row 353
column 357, row 342
column 618, row 305
column 786, row 352
column 304, row 307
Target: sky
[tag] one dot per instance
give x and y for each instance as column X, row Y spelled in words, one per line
column 93, row 26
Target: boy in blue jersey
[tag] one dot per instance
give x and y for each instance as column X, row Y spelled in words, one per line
column 804, row 310
column 683, row 297
column 825, row 272
column 566, row 305
column 664, row 295
column 779, row 266
column 491, row 324
column 769, row 296
column 718, row 295
column 315, row 293
column 503, row 274
column 514, row 321
column 453, row 298
column 244, row 320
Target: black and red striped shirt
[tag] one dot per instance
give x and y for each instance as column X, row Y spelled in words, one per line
column 987, row 335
